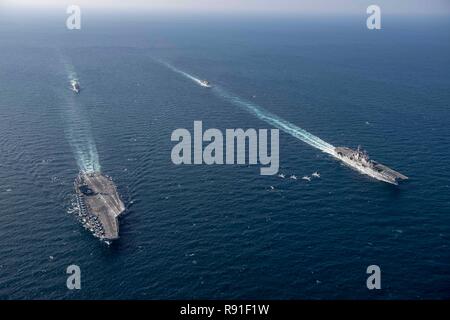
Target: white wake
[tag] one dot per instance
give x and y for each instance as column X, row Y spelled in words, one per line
column 185, row 74
column 264, row 115
column 77, row 128
column 276, row 121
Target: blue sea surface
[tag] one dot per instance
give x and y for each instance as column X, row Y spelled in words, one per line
column 220, row 231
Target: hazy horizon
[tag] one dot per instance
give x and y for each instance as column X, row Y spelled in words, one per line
column 326, row 7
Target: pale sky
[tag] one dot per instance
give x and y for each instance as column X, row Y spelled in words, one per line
column 247, row 6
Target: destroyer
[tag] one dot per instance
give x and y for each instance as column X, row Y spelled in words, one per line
column 359, row 160
column 75, row 86
column 99, row 203
column 205, row 83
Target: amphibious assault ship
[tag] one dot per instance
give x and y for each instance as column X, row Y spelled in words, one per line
column 359, row 160
column 99, row 204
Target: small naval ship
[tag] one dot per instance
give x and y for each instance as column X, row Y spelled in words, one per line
column 75, row 86
column 99, row 204
column 359, row 160
column 205, row 83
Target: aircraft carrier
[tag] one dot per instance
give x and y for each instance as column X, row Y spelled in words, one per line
column 99, row 204
column 359, row 160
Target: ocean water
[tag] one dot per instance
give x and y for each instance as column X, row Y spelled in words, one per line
column 220, row 231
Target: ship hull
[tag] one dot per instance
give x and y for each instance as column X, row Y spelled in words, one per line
column 365, row 170
column 99, row 205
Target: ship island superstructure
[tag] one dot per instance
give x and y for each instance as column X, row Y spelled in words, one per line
column 99, row 204
column 359, row 160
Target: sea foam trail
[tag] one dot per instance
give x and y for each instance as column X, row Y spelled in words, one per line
column 77, row 129
column 185, row 74
column 264, row 115
column 276, row 121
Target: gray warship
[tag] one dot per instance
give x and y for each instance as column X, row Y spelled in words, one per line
column 205, row 83
column 99, row 204
column 75, row 85
column 359, row 160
